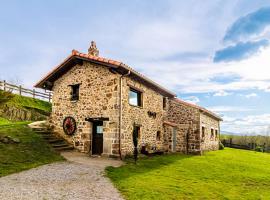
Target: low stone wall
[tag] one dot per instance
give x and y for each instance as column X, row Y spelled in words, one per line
column 22, row 114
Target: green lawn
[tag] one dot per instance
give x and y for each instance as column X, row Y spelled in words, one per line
column 225, row 174
column 4, row 121
column 28, row 102
column 31, row 152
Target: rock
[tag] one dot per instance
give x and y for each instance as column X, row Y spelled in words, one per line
column 5, row 140
column 16, row 140
column 9, row 140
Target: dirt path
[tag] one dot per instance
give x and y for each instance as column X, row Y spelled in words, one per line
column 79, row 178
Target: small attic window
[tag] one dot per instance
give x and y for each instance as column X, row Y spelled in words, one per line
column 158, row 136
column 75, row 91
column 164, row 103
column 212, row 133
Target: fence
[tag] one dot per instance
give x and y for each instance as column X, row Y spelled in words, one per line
column 25, row 92
column 249, row 146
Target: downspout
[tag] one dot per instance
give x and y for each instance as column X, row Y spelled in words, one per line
column 219, row 141
column 120, row 111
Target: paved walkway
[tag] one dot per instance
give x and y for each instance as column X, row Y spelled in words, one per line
column 79, row 178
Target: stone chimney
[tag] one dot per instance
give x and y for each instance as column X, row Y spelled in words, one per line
column 93, row 51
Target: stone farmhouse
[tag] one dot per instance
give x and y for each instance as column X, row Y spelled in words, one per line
column 99, row 105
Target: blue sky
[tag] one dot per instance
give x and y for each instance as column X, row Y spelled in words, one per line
column 212, row 53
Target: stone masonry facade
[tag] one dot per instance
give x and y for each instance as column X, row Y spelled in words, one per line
column 166, row 123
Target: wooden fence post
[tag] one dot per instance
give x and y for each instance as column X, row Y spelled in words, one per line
column 20, row 90
column 4, row 85
column 34, row 93
column 50, row 97
column 230, row 142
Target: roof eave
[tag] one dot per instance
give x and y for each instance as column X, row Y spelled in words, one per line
column 110, row 64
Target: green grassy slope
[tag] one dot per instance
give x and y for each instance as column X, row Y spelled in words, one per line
column 32, row 150
column 35, row 106
column 28, row 102
column 226, row 174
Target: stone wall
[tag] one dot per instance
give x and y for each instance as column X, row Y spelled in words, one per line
column 98, row 98
column 187, row 119
column 149, row 125
column 209, row 142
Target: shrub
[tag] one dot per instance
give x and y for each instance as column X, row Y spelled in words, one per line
column 221, row 146
column 5, row 96
column 259, row 148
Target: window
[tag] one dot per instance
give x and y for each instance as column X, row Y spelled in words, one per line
column 203, row 131
column 158, row 136
column 135, row 97
column 99, row 129
column 216, row 133
column 212, row 132
column 75, row 92
column 164, row 102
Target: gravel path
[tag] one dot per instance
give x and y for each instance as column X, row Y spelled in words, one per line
column 81, row 177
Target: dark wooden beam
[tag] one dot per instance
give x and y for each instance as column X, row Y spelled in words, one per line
column 95, row 119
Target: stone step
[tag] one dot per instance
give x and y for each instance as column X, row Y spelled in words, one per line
column 43, row 132
column 38, row 129
column 51, row 141
column 60, row 145
column 49, row 136
column 68, row 148
column 57, row 143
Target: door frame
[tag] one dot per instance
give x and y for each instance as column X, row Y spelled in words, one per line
column 174, row 139
column 94, row 125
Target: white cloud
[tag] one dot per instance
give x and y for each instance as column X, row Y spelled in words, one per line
column 192, row 99
column 221, row 109
column 251, row 124
column 254, row 73
column 222, row 93
column 251, row 95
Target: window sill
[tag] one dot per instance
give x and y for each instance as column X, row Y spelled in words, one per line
column 74, row 101
column 136, row 106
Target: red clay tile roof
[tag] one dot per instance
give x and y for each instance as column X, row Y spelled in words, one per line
column 117, row 64
column 103, row 61
column 198, row 107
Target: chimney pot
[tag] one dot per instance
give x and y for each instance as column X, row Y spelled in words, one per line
column 93, row 51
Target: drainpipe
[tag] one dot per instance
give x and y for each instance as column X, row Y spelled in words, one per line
column 120, row 111
column 187, row 136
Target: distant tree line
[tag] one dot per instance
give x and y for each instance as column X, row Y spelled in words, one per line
column 256, row 142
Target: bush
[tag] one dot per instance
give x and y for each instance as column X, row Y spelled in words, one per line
column 259, row 148
column 5, row 96
column 221, row 146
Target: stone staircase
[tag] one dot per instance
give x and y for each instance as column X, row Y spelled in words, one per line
column 58, row 143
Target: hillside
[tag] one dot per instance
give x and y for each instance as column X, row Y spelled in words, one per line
column 19, row 108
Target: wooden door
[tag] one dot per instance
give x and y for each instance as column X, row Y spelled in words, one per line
column 97, row 143
column 174, row 140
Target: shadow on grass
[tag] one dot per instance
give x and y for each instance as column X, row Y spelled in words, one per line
column 144, row 165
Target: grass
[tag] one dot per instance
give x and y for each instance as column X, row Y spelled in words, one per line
column 226, row 174
column 31, row 152
column 4, row 121
column 28, row 102
column 24, row 102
